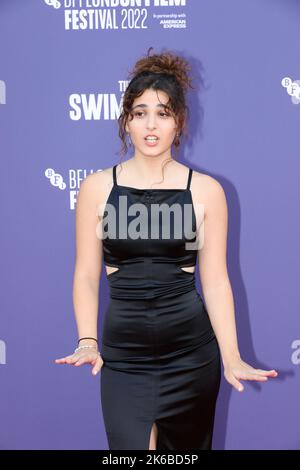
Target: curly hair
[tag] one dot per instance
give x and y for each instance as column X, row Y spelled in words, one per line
column 166, row 72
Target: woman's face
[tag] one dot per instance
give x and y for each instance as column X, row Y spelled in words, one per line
column 150, row 117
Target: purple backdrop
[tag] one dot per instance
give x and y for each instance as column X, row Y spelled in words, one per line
column 62, row 76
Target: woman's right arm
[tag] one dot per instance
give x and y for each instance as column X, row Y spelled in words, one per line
column 87, row 271
column 88, row 259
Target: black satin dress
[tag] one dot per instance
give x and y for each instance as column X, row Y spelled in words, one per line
column 161, row 356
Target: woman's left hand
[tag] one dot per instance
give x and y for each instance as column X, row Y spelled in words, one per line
column 237, row 369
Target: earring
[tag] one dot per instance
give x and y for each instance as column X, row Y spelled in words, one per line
column 130, row 141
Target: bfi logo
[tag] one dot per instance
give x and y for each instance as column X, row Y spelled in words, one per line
column 292, row 88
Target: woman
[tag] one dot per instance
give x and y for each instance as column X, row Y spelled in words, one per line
column 161, row 345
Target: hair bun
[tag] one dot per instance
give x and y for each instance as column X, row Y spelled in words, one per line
column 167, row 63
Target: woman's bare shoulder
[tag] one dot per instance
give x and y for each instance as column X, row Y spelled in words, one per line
column 94, row 190
column 206, row 181
column 206, row 187
column 99, row 180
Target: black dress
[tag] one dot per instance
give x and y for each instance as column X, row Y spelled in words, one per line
column 161, row 356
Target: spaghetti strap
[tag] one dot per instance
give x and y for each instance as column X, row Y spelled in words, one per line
column 189, row 179
column 114, row 175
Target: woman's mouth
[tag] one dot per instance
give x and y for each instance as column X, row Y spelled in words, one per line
column 151, row 141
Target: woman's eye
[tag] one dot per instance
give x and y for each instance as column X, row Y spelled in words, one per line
column 139, row 113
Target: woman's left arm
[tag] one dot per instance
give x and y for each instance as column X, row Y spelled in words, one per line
column 216, row 286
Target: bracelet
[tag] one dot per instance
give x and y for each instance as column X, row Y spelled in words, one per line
column 87, row 337
column 85, row 347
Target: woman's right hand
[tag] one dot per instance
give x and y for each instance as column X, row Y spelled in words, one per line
column 83, row 356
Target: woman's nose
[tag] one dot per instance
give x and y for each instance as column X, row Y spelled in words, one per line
column 151, row 123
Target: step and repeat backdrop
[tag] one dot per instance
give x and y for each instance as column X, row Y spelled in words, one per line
column 64, row 67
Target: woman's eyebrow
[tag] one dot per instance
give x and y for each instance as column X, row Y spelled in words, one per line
column 160, row 105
